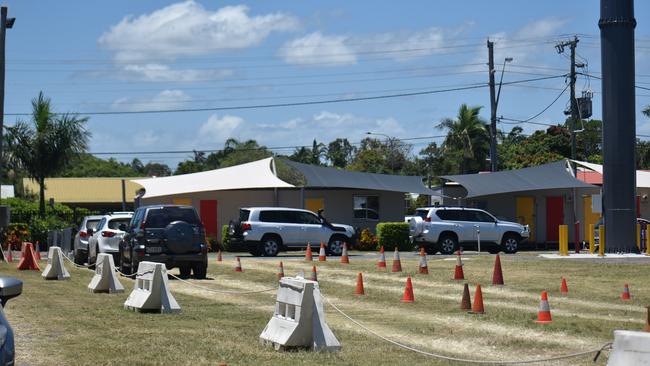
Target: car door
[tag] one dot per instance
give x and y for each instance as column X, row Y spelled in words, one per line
column 461, row 227
column 486, row 223
column 312, row 228
column 289, row 227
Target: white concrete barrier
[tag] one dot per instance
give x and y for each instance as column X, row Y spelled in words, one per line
column 151, row 291
column 105, row 279
column 299, row 319
column 630, row 348
column 55, row 269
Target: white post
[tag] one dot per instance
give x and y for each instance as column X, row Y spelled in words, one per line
column 478, row 238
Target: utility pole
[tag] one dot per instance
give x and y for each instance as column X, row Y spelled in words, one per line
column 493, row 109
column 5, row 23
column 572, row 86
column 617, row 25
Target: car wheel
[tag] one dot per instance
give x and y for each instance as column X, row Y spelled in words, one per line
column 510, row 243
column 79, row 257
column 185, row 271
column 270, row 246
column 335, row 245
column 200, row 270
column 447, row 244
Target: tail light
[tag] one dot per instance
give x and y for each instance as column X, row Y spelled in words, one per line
column 428, row 219
column 83, row 234
column 142, row 225
column 246, row 227
column 108, row 234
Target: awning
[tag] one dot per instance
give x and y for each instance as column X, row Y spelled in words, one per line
column 322, row 177
column 642, row 177
column 555, row 175
column 256, row 174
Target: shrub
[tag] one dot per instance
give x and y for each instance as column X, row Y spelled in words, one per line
column 367, row 241
column 16, row 234
column 225, row 237
column 40, row 227
column 394, row 234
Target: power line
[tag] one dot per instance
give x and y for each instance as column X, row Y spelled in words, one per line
column 548, row 106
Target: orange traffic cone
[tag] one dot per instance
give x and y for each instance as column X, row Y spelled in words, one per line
column 238, row 266
column 219, row 259
column 382, row 258
column 280, row 271
column 458, row 272
column 322, row 256
column 344, row 255
column 497, row 275
column 422, row 268
column 564, row 290
column 308, row 256
column 397, row 263
column 359, row 290
column 37, row 251
column 314, row 274
column 466, row 302
column 477, row 307
column 626, row 293
column 28, row 259
column 647, row 322
column 544, row 313
column 408, row 291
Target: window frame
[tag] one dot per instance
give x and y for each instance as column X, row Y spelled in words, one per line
column 366, row 208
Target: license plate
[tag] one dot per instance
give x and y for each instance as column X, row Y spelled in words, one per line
column 154, row 250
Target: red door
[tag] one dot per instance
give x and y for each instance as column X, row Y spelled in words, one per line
column 554, row 217
column 208, row 212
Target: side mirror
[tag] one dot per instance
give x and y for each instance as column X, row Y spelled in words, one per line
column 123, row 227
column 9, row 288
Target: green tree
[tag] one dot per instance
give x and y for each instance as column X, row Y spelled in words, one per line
column 375, row 156
column 48, row 144
column 87, row 165
column 467, row 134
column 340, row 153
column 646, row 111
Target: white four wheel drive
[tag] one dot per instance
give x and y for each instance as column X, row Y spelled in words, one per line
column 444, row 229
column 268, row 230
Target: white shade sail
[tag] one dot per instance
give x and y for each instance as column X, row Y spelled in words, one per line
column 257, row 174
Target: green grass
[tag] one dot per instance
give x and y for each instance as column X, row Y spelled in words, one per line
column 61, row 322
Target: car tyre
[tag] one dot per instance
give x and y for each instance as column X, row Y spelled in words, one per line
column 185, row 271
column 447, row 244
column 200, row 270
column 270, row 246
column 510, row 243
column 123, row 268
column 335, row 245
column 79, row 257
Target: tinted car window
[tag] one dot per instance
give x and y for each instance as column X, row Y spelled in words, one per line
column 307, row 218
column 92, row 224
column 114, row 224
column 137, row 218
column 422, row 213
column 244, row 215
column 483, row 217
column 161, row 217
column 272, row 216
column 453, row 215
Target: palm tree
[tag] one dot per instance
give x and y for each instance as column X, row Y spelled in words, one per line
column 646, row 111
column 468, row 134
column 44, row 147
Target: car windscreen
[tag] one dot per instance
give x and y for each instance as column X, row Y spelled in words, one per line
column 114, row 224
column 244, row 215
column 161, row 217
column 92, row 224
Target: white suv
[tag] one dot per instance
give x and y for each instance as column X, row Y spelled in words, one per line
column 267, row 230
column 442, row 229
column 107, row 235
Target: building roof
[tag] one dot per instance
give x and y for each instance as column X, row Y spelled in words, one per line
column 642, row 176
column 84, row 190
column 323, row 177
column 256, row 174
column 555, row 175
column 590, row 176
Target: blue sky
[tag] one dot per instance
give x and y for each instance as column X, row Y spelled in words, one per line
column 159, row 55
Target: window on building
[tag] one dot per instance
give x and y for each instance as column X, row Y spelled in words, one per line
column 366, row 207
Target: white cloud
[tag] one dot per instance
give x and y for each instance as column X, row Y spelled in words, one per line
column 218, row 129
column 187, row 28
column 166, row 99
column 315, row 48
column 163, row 73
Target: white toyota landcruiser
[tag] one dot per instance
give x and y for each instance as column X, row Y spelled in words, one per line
column 267, row 230
column 443, row 229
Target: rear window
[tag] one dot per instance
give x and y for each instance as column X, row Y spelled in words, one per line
column 422, row 213
column 244, row 215
column 92, row 224
column 161, row 217
column 114, row 224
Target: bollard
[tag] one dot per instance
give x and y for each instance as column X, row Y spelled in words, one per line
column 576, row 237
column 638, row 237
column 55, row 269
column 105, row 279
column 647, row 241
column 151, row 291
column 629, row 348
column 601, row 240
column 564, row 240
column 478, row 238
column 592, row 239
